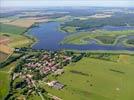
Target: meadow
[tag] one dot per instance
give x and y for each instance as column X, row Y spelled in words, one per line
column 4, row 84
column 15, row 34
column 5, row 28
column 91, row 78
column 100, row 36
column 5, row 78
column 16, row 38
column 98, row 81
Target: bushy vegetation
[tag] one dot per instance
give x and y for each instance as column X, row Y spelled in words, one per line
column 100, row 36
column 106, row 39
column 130, row 41
column 11, row 59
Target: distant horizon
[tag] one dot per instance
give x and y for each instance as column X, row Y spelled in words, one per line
column 67, row 7
column 66, row 3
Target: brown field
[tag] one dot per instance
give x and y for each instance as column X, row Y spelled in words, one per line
column 100, row 16
column 4, row 40
column 5, row 49
column 123, row 58
column 27, row 22
column 3, row 56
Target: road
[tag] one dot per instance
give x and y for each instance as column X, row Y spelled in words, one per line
column 42, row 98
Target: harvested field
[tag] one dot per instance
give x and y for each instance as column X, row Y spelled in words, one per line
column 100, row 16
column 27, row 22
column 4, row 40
column 3, row 56
column 123, row 58
column 5, row 49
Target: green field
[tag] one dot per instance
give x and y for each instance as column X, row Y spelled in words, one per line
column 5, row 28
column 16, row 35
column 5, row 79
column 17, row 39
column 95, row 79
column 100, row 36
column 4, row 84
column 97, row 75
column 130, row 42
column 69, row 29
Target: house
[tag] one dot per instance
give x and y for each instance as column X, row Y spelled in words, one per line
column 53, row 68
column 31, row 65
column 56, row 85
column 46, row 70
column 17, row 49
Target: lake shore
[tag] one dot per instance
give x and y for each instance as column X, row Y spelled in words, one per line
column 46, row 32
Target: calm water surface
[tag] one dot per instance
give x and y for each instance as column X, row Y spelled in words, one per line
column 49, row 38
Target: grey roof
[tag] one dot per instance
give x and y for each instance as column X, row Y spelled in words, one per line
column 58, row 85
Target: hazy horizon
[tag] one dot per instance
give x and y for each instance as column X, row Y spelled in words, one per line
column 66, row 3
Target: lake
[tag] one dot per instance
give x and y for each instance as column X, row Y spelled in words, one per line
column 117, row 28
column 49, row 38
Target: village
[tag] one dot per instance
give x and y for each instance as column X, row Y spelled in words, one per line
column 34, row 67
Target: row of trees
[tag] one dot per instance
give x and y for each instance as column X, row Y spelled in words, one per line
column 10, row 60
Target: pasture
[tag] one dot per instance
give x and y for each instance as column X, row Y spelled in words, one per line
column 5, row 79
column 20, row 41
column 100, row 36
column 13, row 36
column 92, row 79
column 5, row 28
column 4, row 84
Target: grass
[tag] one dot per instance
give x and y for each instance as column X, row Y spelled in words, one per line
column 81, row 38
column 15, row 34
column 69, row 29
column 5, row 28
column 34, row 97
column 101, row 84
column 5, row 78
column 4, row 84
column 10, row 66
column 129, row 42
column 106, row 39
column 18, row 40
